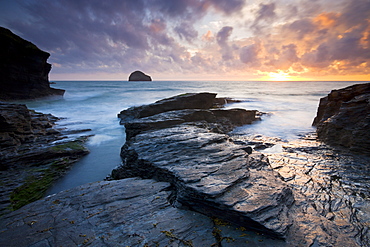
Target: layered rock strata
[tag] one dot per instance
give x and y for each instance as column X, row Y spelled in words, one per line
column 343, row 118
column 24, row 69
column 33, row 153
column 212, row 175
column 196, row 171
column 127, row 212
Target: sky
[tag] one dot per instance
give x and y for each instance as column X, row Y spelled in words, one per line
column 197, row 39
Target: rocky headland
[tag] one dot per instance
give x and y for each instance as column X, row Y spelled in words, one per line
column 24, row 69
column 343, row 118
column 139, row 76
column 33, row 154
column 185, row 180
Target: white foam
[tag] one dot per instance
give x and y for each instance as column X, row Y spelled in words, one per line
column 98, row 139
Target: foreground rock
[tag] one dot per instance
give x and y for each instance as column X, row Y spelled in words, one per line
column 139, row 76
column 23, row 69
column 343, row 118
column 32, row 154
column 330, row 186
column 211, row 174
column 128, row 212
column 200, row 186
column 215, row 174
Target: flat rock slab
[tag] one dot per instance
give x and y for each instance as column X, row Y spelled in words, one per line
column 212, row 175
column 179, row 102
column 127, row 212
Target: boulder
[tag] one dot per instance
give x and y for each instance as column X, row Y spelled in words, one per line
column 23, row 69
column 139, row 76
column 343, row 118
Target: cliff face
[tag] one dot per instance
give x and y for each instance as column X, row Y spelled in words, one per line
column 343, row 118
column 23, row 69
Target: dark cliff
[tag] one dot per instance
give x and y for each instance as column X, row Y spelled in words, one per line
column 343, row 118
column 23, row 69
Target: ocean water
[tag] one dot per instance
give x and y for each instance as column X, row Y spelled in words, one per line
column 95, row 104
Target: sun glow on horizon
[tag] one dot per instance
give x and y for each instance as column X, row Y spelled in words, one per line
column 279, row 76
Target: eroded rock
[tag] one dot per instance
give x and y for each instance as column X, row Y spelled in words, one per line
column 343, row 118
column 179, row 102
column 211, row 174
column 127, row 212
column 33, row 154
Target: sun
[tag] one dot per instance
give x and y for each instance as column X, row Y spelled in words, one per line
column 280, row 76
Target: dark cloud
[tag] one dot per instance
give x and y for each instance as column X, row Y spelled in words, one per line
column 227, row 7
column 223, row 35
column 286, row 57
column 108, row 33
column 301, row 28
column 222, row 38
column 162, row 35
column 249, row 55
column 356, row 12
column 319, row 58
column 265, row 15
column 345, row 40
column 186, row 31
column 266, row 12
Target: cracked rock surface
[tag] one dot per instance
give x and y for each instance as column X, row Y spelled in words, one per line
column 189, row 183
column 127, row 212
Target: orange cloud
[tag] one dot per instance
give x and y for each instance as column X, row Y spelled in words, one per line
column 208, row 36
column 326, row 20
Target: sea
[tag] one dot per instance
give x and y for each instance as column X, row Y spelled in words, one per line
column 291, row 108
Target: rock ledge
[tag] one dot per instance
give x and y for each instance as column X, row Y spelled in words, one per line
column 343, row 118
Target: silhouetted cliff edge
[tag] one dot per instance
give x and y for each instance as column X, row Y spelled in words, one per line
column 23, row 69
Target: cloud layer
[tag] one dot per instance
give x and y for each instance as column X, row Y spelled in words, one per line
column 323, row 37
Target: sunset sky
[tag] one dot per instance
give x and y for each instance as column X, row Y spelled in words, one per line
column 197, row 39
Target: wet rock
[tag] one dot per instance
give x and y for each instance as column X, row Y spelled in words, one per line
column 33, row 154
column 139, row 76
column 23, row 69
column 26, row 137
column 210, row 173
column 331, row 192
column 127, row 212
column 219, row 120
column 221, row 102
column 343, row 118
column 179, row 102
